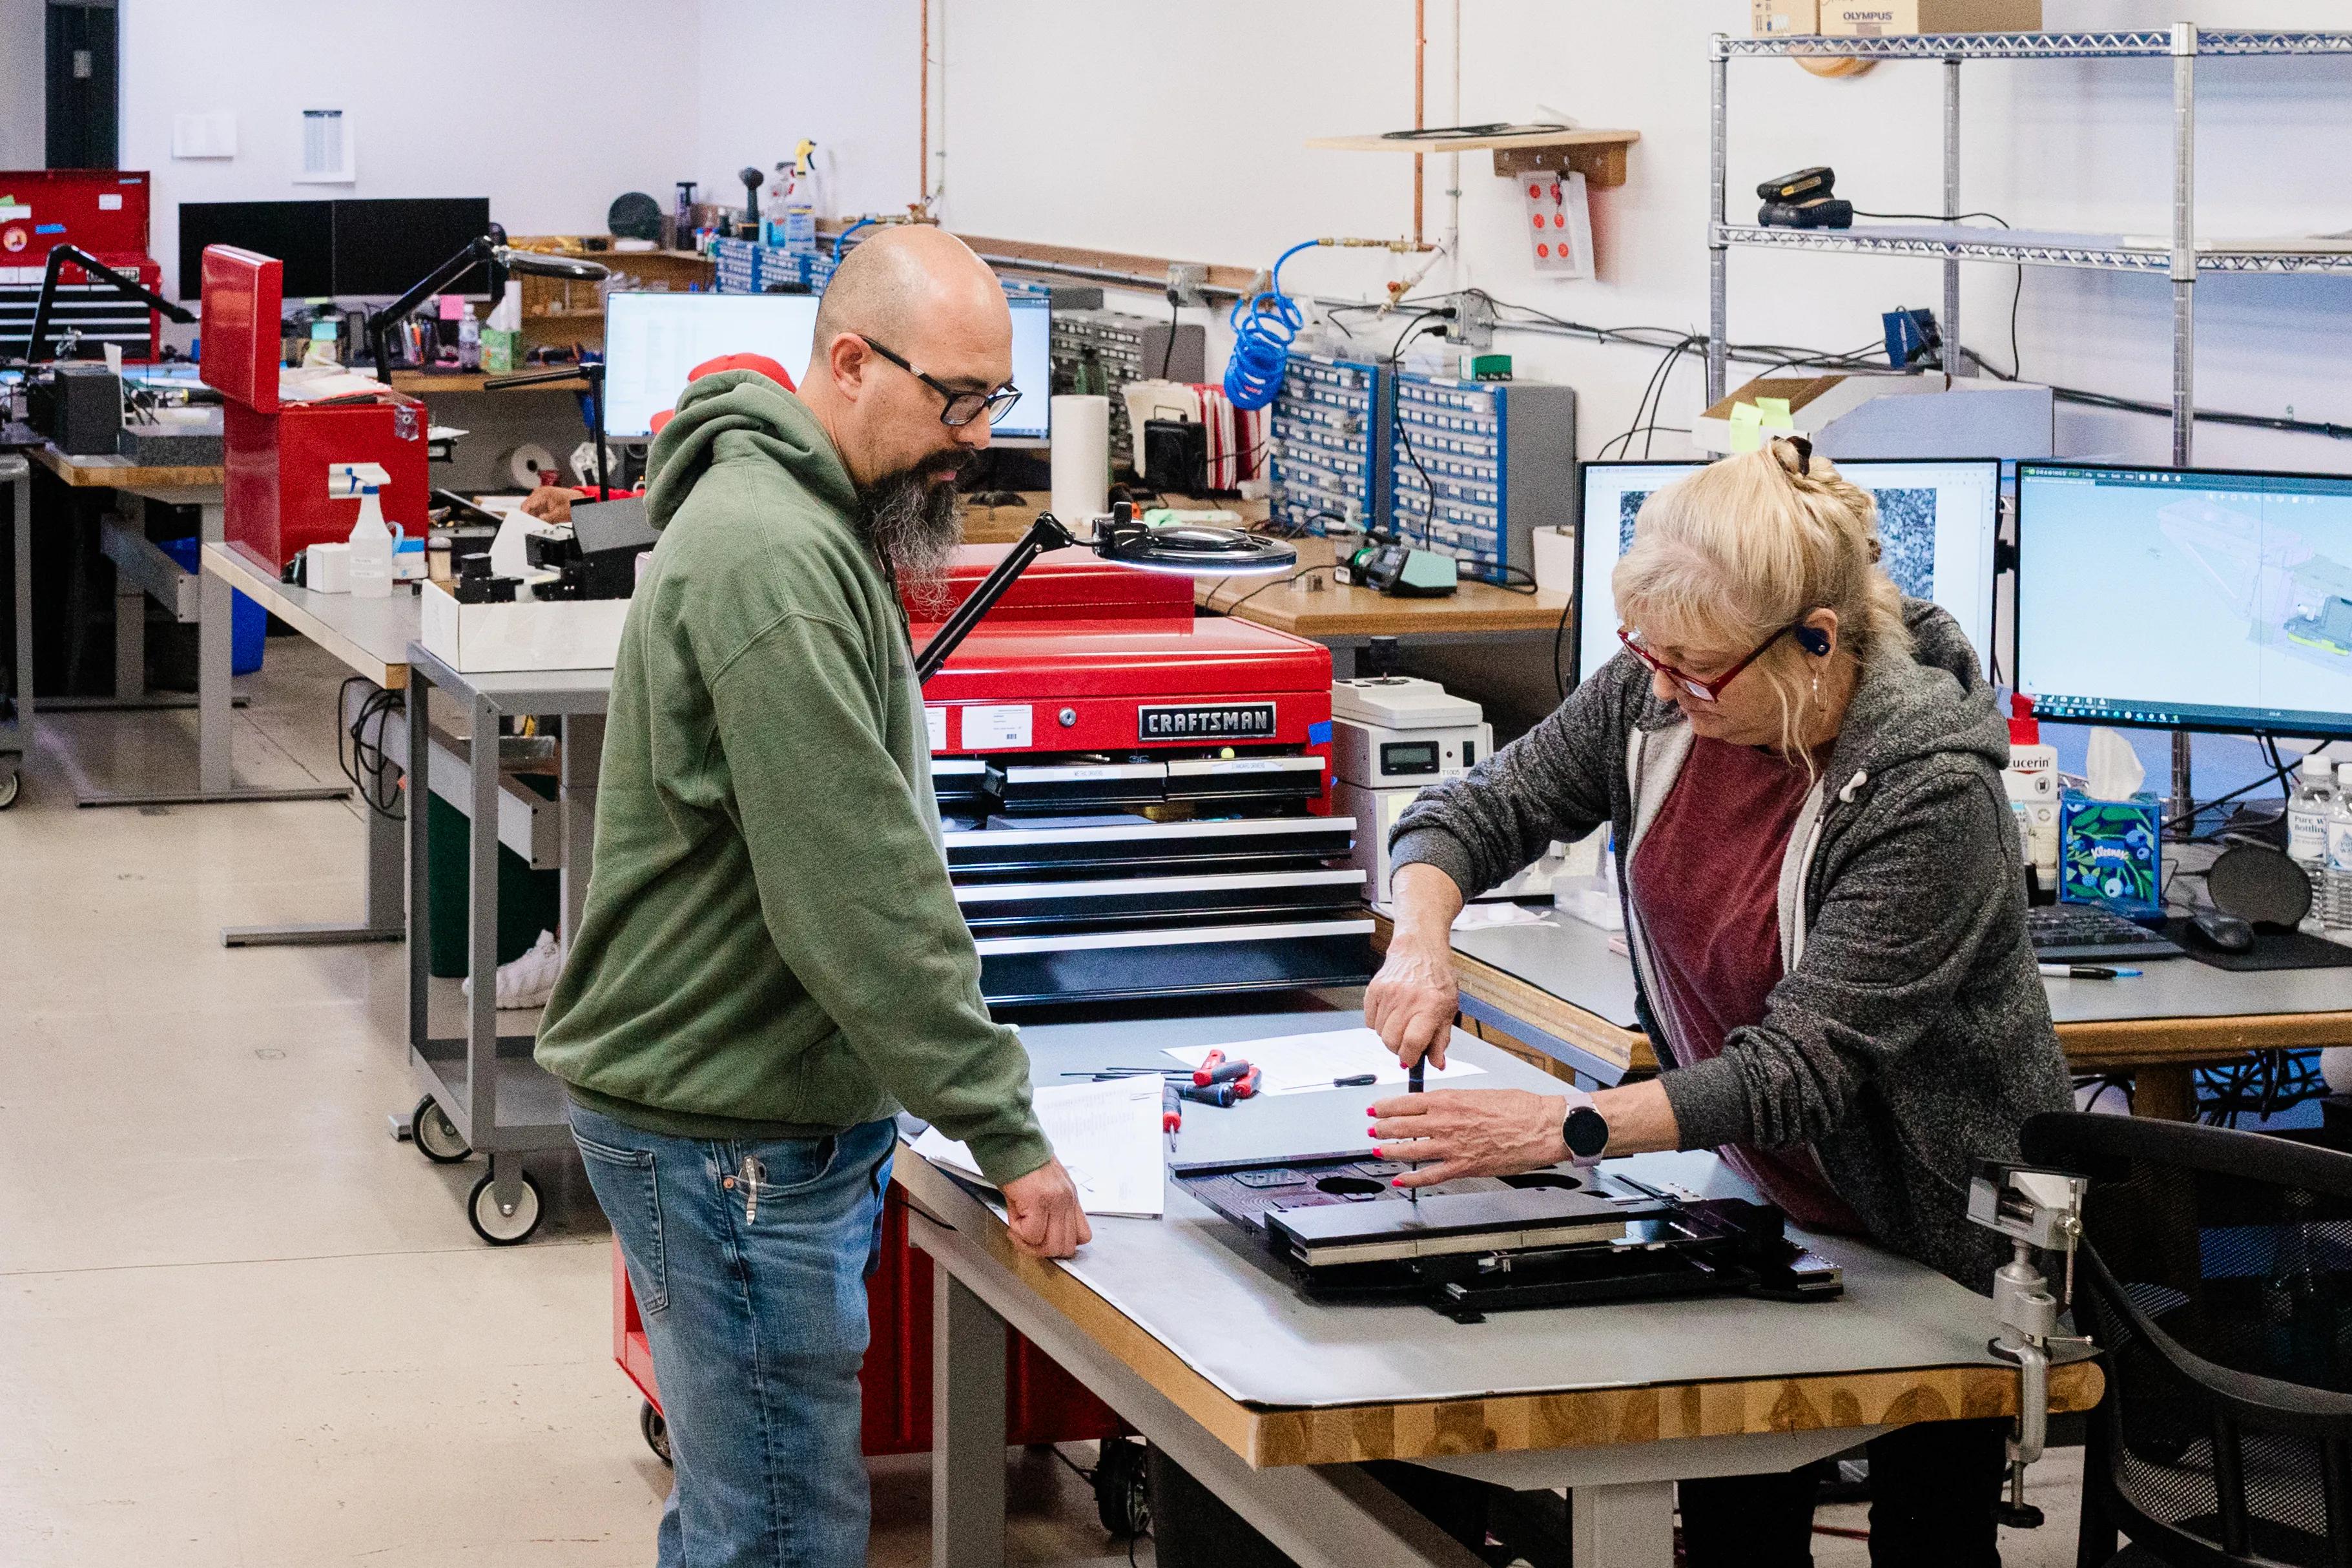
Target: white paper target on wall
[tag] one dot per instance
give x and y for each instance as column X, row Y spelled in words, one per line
column 1559, row 223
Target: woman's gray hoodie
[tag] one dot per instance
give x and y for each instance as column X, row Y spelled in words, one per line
column 1909, row 1034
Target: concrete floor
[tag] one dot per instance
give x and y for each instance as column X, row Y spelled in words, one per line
column 241, row 1327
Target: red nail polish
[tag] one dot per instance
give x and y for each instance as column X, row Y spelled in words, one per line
column 1397, row 1182
column 1372, row 1110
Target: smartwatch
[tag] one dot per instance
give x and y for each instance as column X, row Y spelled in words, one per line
column 1585, row 1131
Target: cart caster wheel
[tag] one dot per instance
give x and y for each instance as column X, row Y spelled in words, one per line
column 436, row 1136
column 1122, row 1501
column 657, row 1431
column 11, row 787
column 504, row 1229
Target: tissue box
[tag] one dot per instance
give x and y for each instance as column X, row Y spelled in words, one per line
column 2111, row 852
column 501, row 352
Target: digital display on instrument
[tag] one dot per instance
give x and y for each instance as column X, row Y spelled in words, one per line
column 1409, row 757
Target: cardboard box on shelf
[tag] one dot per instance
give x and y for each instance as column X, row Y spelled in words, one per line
column 1775, row 18
column 1887, row 18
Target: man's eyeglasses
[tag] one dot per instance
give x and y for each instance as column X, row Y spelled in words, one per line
column 962, row 406
column 1705, row 691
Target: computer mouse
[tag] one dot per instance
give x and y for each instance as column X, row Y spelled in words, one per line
column 2225, row 932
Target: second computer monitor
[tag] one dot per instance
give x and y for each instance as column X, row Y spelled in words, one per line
column 653, row 342
column 2188, row 598
column 1937, row 523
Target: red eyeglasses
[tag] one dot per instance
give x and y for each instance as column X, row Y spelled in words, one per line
column 1706, row 690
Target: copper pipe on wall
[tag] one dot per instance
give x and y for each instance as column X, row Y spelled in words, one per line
column 1419, row 75
column 923, row 154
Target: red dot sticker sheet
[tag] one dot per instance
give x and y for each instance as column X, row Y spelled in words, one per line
column 1559, row 223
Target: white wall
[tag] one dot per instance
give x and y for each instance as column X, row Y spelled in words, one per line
column 550, row 110
column 23, row 90
column 1133, row 127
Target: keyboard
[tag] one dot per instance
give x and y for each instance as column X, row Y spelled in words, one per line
column 2063, row 933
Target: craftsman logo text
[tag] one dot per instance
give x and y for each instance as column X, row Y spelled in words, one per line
column 1207, row 721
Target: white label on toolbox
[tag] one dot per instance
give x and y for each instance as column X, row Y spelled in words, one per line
column 109, row 203
column 15, row 211
column 996, row 729
column 936, row 720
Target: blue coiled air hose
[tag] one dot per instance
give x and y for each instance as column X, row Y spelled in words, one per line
column 1264, row 326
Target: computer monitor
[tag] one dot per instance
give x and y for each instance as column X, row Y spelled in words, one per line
column 2186, row 598
column 1937, row 519
column 383, row 247
column 301, row 234
column 1028, row 424
column 652, row 341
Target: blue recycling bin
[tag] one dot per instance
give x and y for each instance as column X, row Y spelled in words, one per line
column 248, row 623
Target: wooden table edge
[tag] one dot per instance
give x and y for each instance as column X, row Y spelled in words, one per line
column 72, row 471
column 224, row 564
column 1272, row 1436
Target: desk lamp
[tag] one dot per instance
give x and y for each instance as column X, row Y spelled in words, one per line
column 490, row 247
column 61, row 254
column 591, row 370
column 1193, row 549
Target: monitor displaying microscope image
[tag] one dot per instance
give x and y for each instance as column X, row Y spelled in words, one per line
column 1937, row 523
column 2187, row 599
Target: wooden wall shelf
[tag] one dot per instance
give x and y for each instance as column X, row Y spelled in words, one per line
column 1597, row 156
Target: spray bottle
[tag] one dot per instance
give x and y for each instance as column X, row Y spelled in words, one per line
column 800, row 200
column 372, row 547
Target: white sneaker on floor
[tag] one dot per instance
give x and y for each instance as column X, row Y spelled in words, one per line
column 530, row 979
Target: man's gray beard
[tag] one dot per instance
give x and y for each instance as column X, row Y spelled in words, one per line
column 910, row 520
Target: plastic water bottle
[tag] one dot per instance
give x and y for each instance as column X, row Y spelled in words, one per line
column 470, row 341
column 372, row 565
column 2338, row 913
column 2306, row 830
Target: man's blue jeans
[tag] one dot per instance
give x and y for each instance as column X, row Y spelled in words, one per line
column 748, row 1262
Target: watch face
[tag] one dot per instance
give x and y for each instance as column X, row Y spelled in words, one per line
column 1586, row 1132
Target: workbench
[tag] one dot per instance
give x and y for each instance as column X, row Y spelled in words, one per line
column 1556, row 987
column 1196, row 1336
column 144, row 572
column 1315, row 606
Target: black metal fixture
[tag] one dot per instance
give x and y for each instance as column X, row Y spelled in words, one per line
column 1193, row 549
column 591, row 371
column 58, row 257
column 490, row 248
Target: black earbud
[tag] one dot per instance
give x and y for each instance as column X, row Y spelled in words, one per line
column 1813, row 640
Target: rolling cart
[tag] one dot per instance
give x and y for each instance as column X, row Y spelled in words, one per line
column 483, row 1091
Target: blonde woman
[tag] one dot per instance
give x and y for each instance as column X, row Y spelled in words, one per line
column 1824, row 901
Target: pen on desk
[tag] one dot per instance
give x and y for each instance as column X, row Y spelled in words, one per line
column 2085, row 972
column 1356, row 1080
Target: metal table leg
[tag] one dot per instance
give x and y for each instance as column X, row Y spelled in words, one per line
column 967, row 1427
column 385, row 915
column 18, row 476
column 216, row 779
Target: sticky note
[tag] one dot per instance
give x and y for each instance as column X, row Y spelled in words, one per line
column 1747, row 427
column 1773, row 414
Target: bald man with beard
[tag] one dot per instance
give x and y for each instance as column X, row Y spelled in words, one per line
column 771, row 962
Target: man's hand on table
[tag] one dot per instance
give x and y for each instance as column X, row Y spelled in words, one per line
column 1043, row 1213
column 548, row 503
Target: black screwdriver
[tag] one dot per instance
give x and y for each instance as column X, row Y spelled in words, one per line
column 1413, row 1085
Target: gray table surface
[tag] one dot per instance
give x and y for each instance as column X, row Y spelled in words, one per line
column 519, row 691
column 1571, row 960
column 381, row 628
column 1215, row 1298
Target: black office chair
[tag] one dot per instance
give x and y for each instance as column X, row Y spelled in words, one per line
column 2216, row 1276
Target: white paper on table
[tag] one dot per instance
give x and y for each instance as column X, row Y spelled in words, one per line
column 1295, row 1063
column 1478, row 917
column 1107, row 1136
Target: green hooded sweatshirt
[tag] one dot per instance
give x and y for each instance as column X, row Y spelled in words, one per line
column 771, row 946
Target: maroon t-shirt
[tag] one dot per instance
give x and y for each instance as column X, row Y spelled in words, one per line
column 1705, row 883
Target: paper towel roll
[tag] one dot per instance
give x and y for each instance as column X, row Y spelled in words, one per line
column 1081, row 458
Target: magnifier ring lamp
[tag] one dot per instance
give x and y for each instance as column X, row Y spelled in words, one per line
column 1193, row 549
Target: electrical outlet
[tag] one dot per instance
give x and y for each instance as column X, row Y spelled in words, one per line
column 1473, row 326
column 1185, row 281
